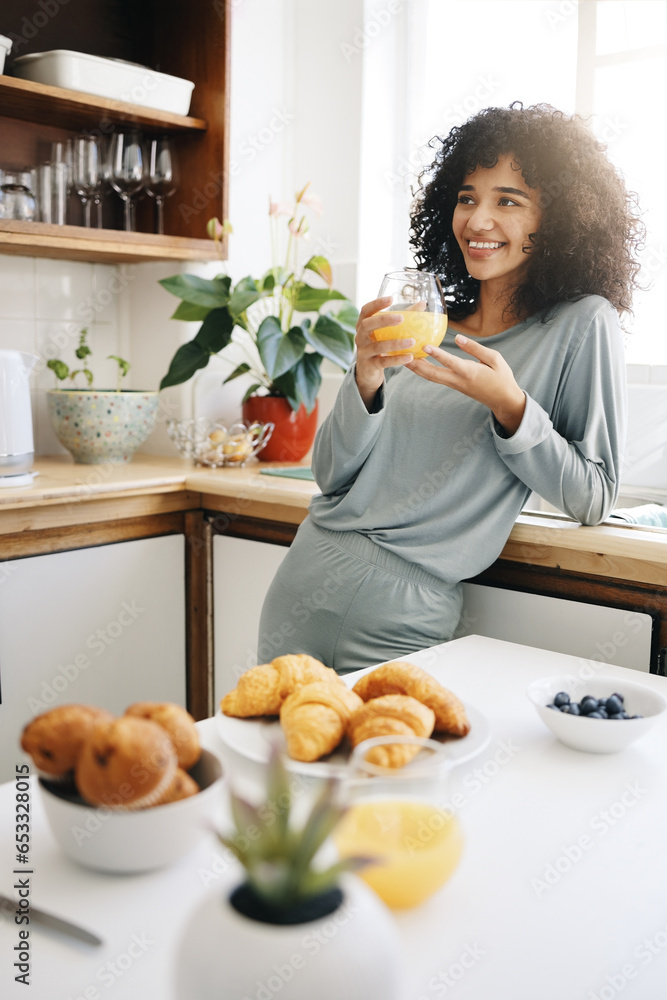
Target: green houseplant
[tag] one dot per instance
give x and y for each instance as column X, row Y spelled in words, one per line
column 257, row 932
column 98, row 425
column 285, row 326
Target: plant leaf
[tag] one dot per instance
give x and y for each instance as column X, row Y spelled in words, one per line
column 184, row 364
column 245, row 293
column 305, row 393
column 308, row 299
column 123, row 365
column 279, row 351
column 347, row 317
column 314, row 882
column 210, row 292
column 242, row 369
column 216, row 330
column 331, row 340
column 251, row 391
column 189, row 312
column 59, row 368
column 275, row 276
column 320, row 265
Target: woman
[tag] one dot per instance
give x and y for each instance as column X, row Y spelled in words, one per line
column 424, row 466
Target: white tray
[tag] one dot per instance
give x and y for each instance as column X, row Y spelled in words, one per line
column 111, row 78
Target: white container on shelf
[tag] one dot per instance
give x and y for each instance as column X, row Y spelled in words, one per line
column 112, row 78
column 5, row 46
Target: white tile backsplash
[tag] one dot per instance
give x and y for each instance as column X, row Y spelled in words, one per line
column 17, row 288
column 43, row 306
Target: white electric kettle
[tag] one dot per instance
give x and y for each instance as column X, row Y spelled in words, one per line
column 17, row 449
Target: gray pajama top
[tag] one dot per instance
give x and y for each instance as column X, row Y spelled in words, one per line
column 429, row 474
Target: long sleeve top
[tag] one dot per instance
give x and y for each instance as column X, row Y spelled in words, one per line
column 430, row 474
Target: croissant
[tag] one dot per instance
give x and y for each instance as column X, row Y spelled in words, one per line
column 390, row 715
column 405, row 678
column 262, row 689
column 314, row 718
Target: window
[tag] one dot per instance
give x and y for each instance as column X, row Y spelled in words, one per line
column 622, row 75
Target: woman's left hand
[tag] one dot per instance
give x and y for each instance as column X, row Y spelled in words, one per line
column 490, row 381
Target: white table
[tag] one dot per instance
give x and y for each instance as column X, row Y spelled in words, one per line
column 561, row 893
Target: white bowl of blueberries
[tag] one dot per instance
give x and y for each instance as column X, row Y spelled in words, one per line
column 601, row 715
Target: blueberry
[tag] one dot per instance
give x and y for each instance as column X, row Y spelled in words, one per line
column 613, row 705
column 572, row 708
column 595, row 715
column 635, row 716
column 588, row 704
column 553, row 706
column 562, row 698
column 619, row 696
column 602, row 712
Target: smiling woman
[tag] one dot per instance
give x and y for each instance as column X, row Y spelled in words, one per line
column 533, row 236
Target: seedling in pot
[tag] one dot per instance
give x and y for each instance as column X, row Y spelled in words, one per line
column 83, row 351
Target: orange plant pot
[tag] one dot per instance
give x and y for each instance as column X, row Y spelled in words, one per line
column 294, row 432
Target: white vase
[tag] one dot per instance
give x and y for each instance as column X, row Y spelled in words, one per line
column 353, row 953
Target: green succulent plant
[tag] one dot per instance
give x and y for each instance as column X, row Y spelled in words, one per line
column 277, row 854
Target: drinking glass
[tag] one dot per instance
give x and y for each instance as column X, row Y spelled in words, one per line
column 400, row 817
column 127, row 170
column 86, row 171
column 162, row 177
column 419, row 297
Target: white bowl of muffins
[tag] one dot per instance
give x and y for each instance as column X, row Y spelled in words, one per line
column 126, row 793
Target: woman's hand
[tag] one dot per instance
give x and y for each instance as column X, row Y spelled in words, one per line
column 490, row 382
column 371, row 355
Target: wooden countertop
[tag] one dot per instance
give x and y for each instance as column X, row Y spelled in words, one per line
column 66, row 494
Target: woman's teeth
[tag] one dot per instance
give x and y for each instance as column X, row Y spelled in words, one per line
column 476, row 245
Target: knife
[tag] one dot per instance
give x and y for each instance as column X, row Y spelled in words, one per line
column 9, row 907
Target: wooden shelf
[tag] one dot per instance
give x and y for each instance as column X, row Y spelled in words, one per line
column 102, row 246
column 72, row 109
column 151, row 33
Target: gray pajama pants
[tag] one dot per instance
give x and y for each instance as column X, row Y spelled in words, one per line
column 351, row 603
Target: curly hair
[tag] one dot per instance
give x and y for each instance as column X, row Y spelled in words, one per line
column 590, row 229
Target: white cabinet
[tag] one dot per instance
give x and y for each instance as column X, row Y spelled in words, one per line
column 102, row 625
column 242, row 572
column 591, row 631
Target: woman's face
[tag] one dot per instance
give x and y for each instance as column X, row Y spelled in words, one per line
column 495, row 214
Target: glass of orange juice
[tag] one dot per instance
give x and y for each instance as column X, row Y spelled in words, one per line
column 418, row 296
column 400, row 818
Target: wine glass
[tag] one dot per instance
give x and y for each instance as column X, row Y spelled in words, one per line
column 399, row 817
column 162, row 177
column 86, row 171
column 127, row 170
column 418, row 296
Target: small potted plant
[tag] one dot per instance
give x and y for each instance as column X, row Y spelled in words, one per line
column 285, row 326
column 99, row 425
column 313, row 928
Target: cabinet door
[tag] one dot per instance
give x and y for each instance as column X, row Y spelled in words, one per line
column 242, row 573
column 591, row 631
column 103, row 626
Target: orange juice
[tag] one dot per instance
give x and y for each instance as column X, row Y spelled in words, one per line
column 418, row 845
column 425, row 327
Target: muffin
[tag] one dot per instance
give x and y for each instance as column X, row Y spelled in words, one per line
column 178, row 723
column 182, row 787
column 128, row 763
column 54, row 738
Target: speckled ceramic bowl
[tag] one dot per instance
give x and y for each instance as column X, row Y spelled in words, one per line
column 102, row 426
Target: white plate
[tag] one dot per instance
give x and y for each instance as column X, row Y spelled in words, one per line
column 253, row 738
